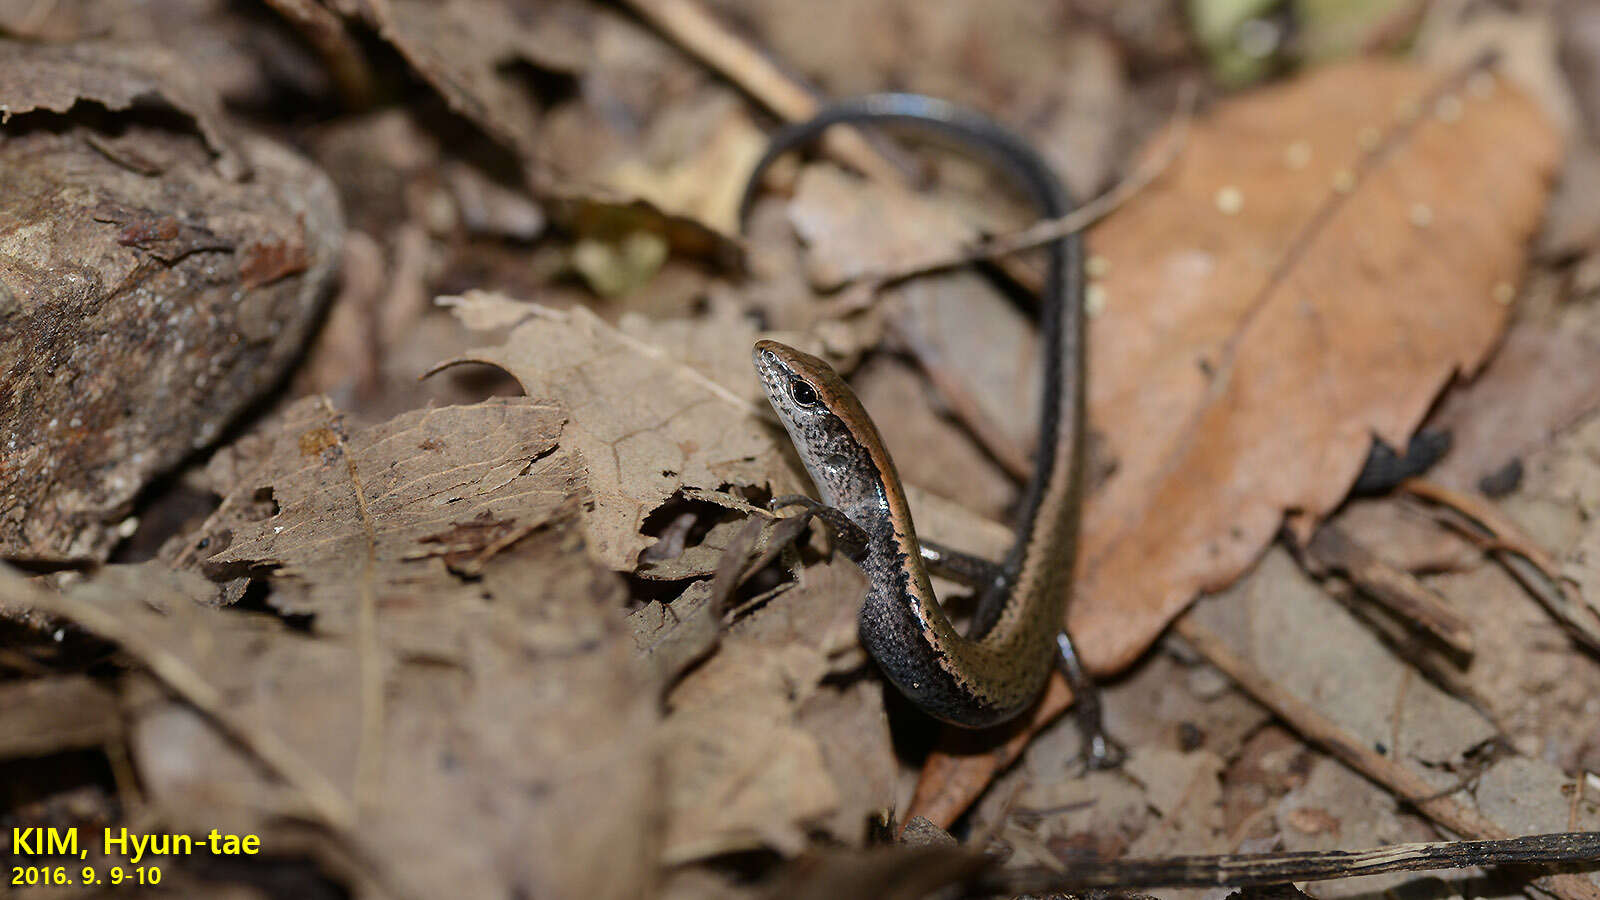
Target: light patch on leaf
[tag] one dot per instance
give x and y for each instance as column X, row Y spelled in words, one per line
column 645, row 418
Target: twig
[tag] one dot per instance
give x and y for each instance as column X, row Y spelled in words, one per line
column 697, row 31
column 1318, row 729
column 1483, row 523
column 1047, row 230
column 1251, row 869
column 1396, row 589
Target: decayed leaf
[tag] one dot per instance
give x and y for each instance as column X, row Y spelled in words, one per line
column 471, row 50
column 1388, row 705
column 1538, row 695
column 1307, row 644
column 1274, row 302
column 542, row 717
column 390, row 509
column 649, row 415
column 56, row 76
column 248, row 55
column 842, row 220
column 49, row 715
column 744, row 769
column 700, row 169
column 1531, row 391
column 145, row 296
column 644, row 423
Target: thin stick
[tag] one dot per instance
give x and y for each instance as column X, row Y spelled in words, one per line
column 1047, row 230
column 1325, row 733
column 1252, row 869
column 697, row 31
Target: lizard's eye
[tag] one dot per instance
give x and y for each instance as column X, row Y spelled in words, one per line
column 805, row 396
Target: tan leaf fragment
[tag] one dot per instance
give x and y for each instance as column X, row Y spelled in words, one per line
column 544, row 718
column 702, row 154
column 1186, row 789
column 676, row 635
column 644, row 423
column 746, row 739
column 49, row 715
column 115, row 75
column 391, row 509
column 740, row 780
column 843, row 220
column 1249, row 351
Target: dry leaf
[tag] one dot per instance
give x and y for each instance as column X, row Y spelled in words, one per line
column 49, row 715
column 470, row 50
column 744, row 769
column 649, row 418
column 1274, row 302
column 1533, row 389
column 543, row 718
column 1185, row 789
column 644, row 423
column 117, row 76
column 395, row 510
column 854, row 229
column 701, row 169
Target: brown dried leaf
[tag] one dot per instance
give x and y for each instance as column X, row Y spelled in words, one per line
column 1530, row 392
column 700, row 169
column 49, row 715
column 745, row 769
column 855, row 228
column 395, row 509
column 469, row 50
column 643, row 422
column 1405, row 537
column 1186, row 790
column 1531, row 675
column 1280, row 349
column 118, row 76
column 1309, row 645
column 541, row 718
column 246, row 53
column 473, row 53
column 141, row 308
column 676, row 635
column 741, row 779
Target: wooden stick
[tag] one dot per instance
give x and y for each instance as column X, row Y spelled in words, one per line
column 1396, row 777
column 697, row 31
column 1251, row 869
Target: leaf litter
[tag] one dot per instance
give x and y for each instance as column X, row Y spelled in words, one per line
column 534, row 612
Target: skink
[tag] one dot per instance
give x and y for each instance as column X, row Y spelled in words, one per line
column 998, row 669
